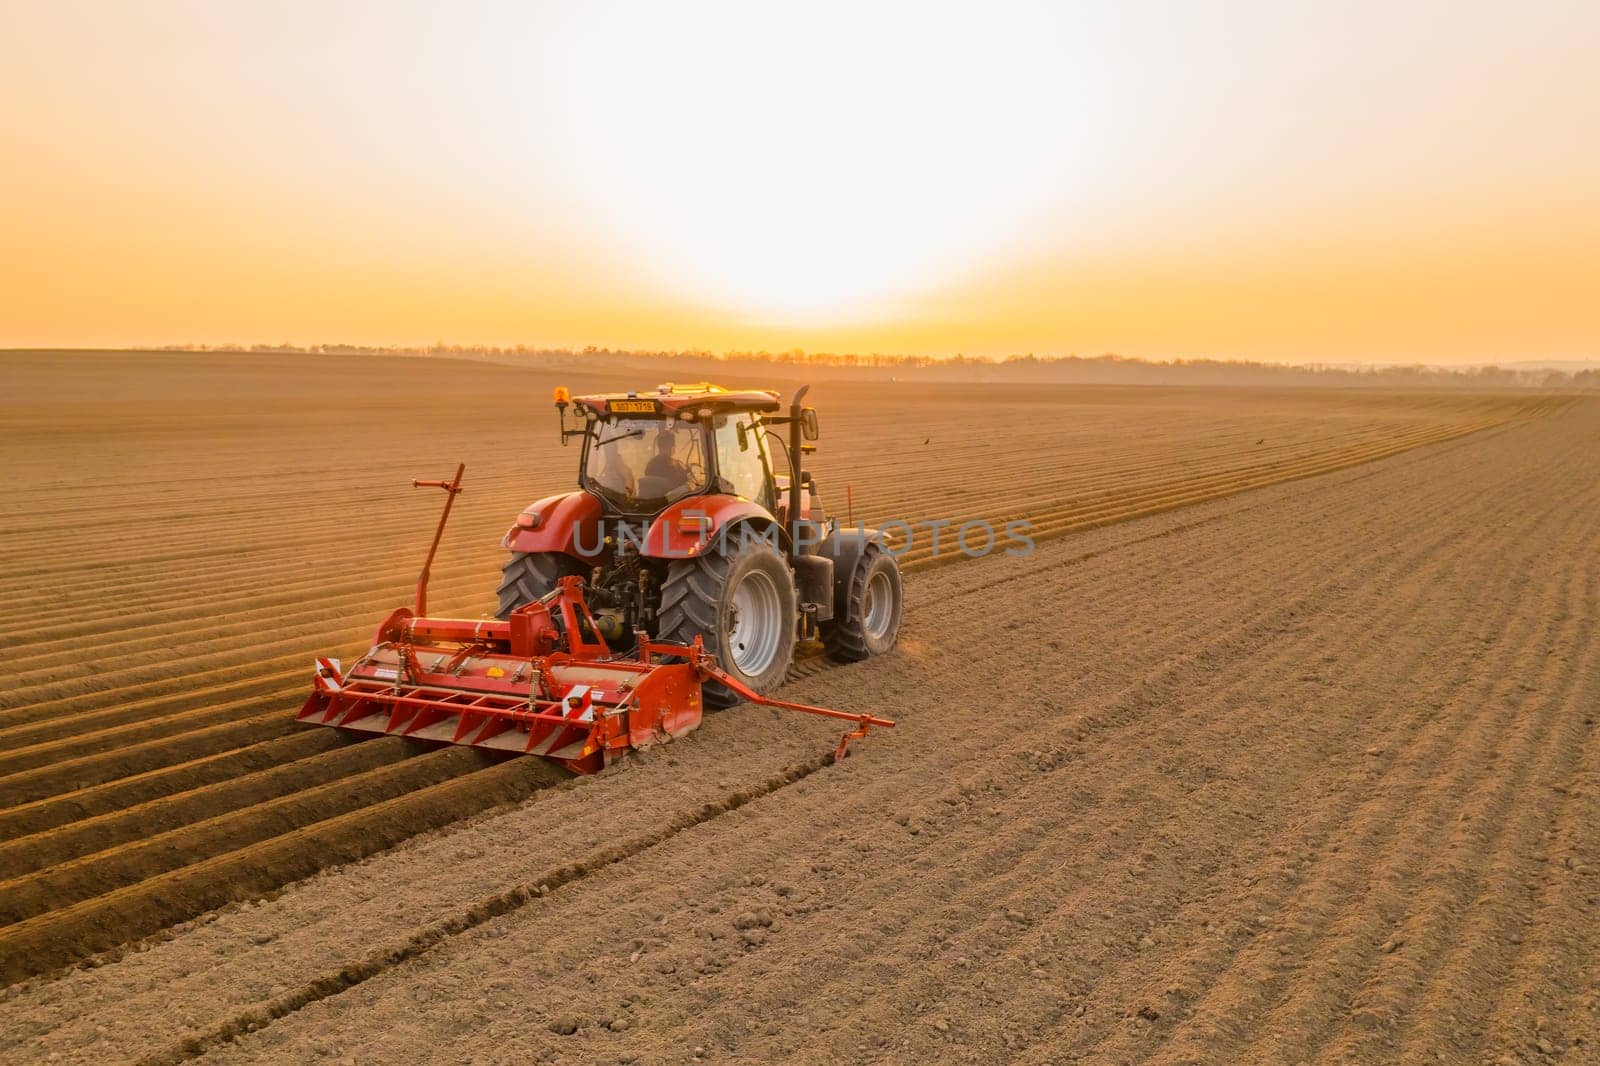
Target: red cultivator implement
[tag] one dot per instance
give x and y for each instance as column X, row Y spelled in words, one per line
column 541, row 682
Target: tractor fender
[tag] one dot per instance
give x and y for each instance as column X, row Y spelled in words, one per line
column 846, row 548
column 558, row 523
column 691, row 526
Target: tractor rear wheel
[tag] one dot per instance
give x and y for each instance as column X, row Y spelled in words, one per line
column 742, row 605
column 871, row 618
column 528, row 576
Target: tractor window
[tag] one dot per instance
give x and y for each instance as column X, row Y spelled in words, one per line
column 643, row 464
column 743, row 464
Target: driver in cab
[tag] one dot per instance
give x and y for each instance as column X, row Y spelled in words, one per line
column 674, row 474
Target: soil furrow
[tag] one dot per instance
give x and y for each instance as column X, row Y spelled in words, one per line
column 839, row 1006
column 96, row 873
column 1364, row 838
column 1303, row 772
column 60, row 937
column 86, row 835
column 127, row 792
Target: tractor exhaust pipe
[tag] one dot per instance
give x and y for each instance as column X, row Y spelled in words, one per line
column 796, row 406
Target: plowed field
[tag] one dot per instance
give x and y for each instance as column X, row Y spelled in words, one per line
column 1301, row 773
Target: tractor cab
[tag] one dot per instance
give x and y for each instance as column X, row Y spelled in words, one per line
column 643, row 454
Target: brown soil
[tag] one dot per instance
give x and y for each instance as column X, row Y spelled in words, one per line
column 1295, row 775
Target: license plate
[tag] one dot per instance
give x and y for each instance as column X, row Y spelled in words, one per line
column 628, row 407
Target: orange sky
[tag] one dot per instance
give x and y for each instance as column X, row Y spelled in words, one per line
column 1348, row 182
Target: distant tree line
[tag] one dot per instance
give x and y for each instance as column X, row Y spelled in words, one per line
column 1107, row 369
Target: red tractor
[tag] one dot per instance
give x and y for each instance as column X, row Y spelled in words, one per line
column 685, row 525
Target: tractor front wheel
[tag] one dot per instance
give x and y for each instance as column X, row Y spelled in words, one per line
column 870, row 621
column 742, row 605
column 529, row 576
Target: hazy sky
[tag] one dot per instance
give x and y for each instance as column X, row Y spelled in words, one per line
column 1330, row 181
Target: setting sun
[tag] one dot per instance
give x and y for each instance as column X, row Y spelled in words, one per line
column 771, row 168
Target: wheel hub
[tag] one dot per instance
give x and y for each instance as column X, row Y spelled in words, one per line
column 877, row 607
column 755, row 624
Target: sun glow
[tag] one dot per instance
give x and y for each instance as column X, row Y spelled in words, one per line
column 1359, row 181
column 808, row 170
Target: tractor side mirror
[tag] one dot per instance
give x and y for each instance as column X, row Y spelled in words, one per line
column 808, row 424
column 744, row 436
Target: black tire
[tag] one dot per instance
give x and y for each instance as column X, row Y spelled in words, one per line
column 528, row 576
column 866, row 629
column 698, row 600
